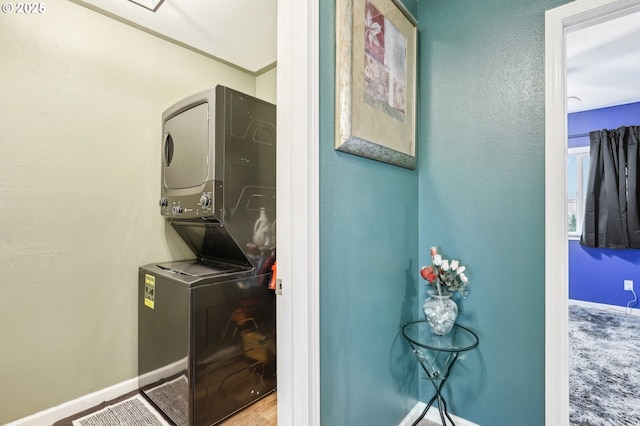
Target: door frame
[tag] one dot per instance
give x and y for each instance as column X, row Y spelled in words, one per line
column 570, row 17
column 298, row 214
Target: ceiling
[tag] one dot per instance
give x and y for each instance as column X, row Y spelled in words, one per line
column 603, row 64
column 603, row 61
column 240, row 32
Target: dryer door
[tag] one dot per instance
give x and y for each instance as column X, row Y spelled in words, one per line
column 185, row 148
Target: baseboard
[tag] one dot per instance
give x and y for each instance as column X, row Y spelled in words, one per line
column 52, row 415
column 605, row 307
column 433, row 415
column 67, row 409
column 168, row 371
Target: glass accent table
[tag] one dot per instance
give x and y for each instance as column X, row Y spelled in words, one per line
column 437, row 355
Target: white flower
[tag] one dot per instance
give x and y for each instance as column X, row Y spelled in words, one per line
column 447, row 274
column 445, row 265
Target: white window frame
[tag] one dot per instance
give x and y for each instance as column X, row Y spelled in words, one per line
column 581, row 153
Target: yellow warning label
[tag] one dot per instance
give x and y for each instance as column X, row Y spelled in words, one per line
column 149, row 291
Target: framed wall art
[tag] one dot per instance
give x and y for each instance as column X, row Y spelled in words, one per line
column 376, row 80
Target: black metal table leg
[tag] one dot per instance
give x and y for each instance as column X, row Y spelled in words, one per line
column 424, row 412
column 438, row 382
column 437, row 355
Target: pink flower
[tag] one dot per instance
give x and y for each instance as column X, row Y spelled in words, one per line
column 428, row 273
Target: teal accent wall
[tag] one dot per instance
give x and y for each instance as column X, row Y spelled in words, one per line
column 477, row 194
column 481, row 157
column 368, row 264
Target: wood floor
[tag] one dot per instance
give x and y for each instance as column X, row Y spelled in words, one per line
column 261, row 413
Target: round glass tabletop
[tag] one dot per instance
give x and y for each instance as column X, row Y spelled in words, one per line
column 458, row 340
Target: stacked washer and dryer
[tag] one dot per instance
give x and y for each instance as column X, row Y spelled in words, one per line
column 207, row 334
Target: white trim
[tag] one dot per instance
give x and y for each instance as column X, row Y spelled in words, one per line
column 558, row 21
column 578, row 150
column 580, row 154
column 152, row 5
column 70, row 408
column 433, row 415
column 298, row 214
column 170, row 370
column 556, row 253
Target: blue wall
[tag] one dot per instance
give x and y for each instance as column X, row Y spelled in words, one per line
column 579, row 123
column 597, row 275
column 368, row 272
column 482, row 193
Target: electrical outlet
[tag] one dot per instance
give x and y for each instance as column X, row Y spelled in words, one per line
column 628, row 285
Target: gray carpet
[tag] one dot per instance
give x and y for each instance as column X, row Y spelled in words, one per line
column 604, row 368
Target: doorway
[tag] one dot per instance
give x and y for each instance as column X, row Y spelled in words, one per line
column 297, row 308
column 559, row 21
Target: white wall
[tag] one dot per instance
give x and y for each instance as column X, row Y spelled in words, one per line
column 81, row 97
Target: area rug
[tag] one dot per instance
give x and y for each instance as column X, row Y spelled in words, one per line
column 173, row 399
column 134, row 411
column 604, row 368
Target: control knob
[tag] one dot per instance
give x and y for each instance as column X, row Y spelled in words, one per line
column 163, row 202
column 176, row 209
column 205, row 201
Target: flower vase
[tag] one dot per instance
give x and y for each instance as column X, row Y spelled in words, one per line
column 440, row 312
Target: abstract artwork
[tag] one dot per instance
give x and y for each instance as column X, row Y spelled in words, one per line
column 376, row 80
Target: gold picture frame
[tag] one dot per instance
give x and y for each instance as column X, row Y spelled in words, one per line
column 376, row 67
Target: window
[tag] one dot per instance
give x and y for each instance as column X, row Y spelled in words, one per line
column 577, row 176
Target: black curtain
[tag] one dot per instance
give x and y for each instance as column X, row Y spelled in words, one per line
column 611, row 211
